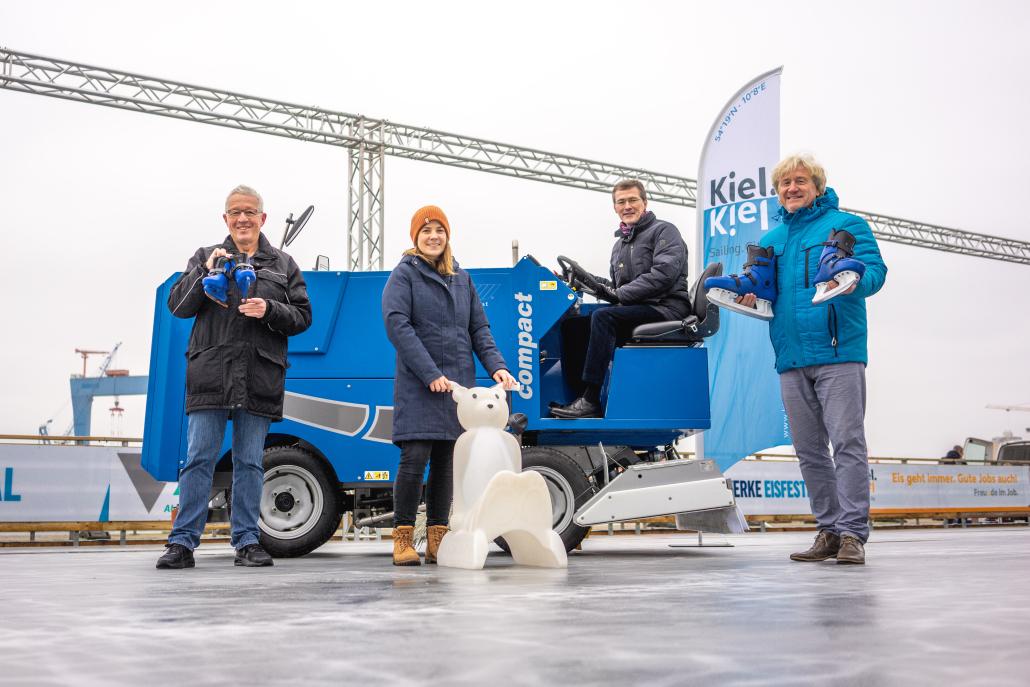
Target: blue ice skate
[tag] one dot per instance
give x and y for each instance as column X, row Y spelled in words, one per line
column 216, row 284
column 244, row 276
column 759, row 278
column 837, row 264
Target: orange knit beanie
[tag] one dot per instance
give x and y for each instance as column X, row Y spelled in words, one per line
column 427, row 214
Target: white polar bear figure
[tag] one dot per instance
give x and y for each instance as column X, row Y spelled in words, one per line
column 492, row 496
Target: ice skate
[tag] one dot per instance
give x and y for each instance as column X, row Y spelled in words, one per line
column 759, row 278
column 243, row 275
column 216, row 283
column 837, row 264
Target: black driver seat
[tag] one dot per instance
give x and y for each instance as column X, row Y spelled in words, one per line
column 694, row 328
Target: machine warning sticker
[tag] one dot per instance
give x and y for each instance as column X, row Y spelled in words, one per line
column 548, row 286
column 378, row 475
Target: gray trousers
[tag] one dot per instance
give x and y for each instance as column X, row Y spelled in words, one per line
column 825, row 405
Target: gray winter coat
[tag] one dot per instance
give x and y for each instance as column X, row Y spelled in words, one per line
column 649, row 267
column 435, row 323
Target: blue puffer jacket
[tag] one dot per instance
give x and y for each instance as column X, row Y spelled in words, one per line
column 435, row 323
column 804, row 334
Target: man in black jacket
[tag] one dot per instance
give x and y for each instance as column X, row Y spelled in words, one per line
column 236, row 368
column 648, row 284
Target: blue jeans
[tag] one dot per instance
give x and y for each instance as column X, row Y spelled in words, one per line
column 825, row 405
column 205, row 434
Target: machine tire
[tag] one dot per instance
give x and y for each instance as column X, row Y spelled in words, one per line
column 296, row 479
column 570, row 488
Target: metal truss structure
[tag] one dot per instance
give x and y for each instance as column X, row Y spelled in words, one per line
column 370, row 140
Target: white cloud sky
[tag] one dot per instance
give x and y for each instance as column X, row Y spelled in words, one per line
column 917, row 109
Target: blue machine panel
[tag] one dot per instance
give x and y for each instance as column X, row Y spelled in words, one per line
column 339, row 383
column 325, row 310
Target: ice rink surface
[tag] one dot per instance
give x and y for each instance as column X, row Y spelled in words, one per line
column 931, row 607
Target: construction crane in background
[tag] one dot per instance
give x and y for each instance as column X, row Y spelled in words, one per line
column 86, row 354
column 370, row 140
column 1022, row 407
column 1025, row 407
column 104, row 365
column 107, row 361
column 107, row 382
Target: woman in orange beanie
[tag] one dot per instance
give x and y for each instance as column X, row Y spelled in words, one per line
column 436, row 322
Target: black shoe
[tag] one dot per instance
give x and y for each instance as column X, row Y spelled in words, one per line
column 252, row 556
column 826, row 546
column 581, row 407
column 177, row 556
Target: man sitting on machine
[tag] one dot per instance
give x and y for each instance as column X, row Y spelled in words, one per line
column 648, row 284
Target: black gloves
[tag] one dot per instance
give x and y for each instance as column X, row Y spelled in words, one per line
column 600, row 288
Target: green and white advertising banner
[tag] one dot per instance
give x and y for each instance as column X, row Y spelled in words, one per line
column 49, row 483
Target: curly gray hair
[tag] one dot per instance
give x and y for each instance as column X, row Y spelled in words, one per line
column 805, row 162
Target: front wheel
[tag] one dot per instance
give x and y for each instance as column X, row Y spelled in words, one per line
column 300, row 506
column 568, row 487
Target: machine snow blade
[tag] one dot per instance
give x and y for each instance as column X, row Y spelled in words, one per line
column 725, row 520
column 649, row 489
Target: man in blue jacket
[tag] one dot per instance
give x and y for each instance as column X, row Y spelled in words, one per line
column 648, row 284
column 821, row 356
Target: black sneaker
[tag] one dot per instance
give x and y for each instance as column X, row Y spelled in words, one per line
column 177, row 556
column 252, row 556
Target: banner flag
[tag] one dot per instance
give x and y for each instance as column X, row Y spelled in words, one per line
column 736, row 203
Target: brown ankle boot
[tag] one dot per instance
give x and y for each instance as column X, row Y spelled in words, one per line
column 404, row 552
column 851, row 551
column 434, row 536
column 826, row 545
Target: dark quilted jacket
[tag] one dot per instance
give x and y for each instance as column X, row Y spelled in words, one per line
column 649, row 267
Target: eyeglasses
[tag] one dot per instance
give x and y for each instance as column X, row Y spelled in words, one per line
column 798, row 181
column 250, row 214
column 628, row 201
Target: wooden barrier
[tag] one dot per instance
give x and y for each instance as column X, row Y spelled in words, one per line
column 806, row 521
column 66, row 439
column 75, row 528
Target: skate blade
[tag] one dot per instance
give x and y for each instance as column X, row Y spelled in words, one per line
column 724, row 298
column 844, row 282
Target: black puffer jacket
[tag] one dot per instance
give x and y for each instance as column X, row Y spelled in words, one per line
column 236, row 361
column 649, row 267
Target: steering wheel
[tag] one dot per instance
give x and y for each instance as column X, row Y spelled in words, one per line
column 576, row 277
column 580, row 280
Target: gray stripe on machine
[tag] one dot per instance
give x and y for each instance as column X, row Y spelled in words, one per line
column 382, row 426
column 323, row 413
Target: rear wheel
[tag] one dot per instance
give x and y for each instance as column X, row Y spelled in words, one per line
column 567, row 486
column 300, row 507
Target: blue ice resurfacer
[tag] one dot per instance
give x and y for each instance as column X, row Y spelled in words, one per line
column 332, row 452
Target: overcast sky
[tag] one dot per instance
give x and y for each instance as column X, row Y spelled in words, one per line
column 917, row 109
